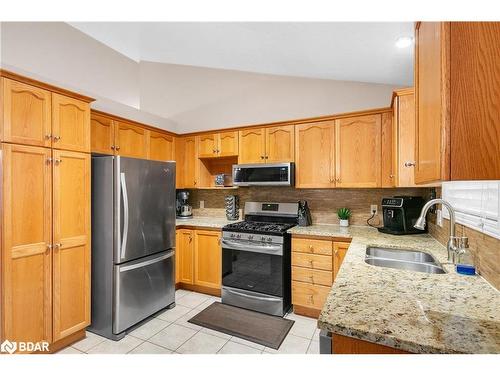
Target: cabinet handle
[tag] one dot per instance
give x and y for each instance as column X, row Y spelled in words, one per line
column 262, row 156
column 117, row 148
column 49, row 160
column 48, row 136
column 312, row 279
column 49, row 246
column 311, row 248
column 57, row 246
column 112, row 147
column 391, row 176
column 57, row 161
column 190, row 239
column 311, row 299
column 214, row 150
column 267, row 157
column 56, row 138
column 410, row 164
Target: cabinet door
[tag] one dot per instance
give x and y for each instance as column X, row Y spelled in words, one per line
column 339, row 252
column 474, row 100
column 161, row 146
column 280, row 144
column 405, row 117
column 70, row 124
column 252, row 148
column 315, row 155
column 185, row 253
column 388, row 176
column 207, row 259
column 131, row 140
column 358, row 151
column 228, row 144
column 180, row 161
column 429, row 102
column 26, row 256
column 26, row 117
column 190, row 163
column 102, row 135
column 208, row 145
column 71, row 238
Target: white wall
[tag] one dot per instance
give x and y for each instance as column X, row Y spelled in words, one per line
column 203, row 98
column 173, row 97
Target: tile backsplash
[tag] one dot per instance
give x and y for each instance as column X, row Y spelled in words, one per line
column 322, row 202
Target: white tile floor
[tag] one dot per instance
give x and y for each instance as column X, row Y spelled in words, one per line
column 170, row 332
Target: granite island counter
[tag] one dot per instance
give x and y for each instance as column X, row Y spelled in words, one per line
column 409, row 311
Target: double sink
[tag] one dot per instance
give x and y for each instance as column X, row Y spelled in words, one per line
column 409, row 260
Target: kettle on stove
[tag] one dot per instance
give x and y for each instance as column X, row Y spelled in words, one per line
column 304, row 219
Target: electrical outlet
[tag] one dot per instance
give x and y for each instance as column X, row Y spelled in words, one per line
column 439, row 218
column 373, row 209
column 202, row 204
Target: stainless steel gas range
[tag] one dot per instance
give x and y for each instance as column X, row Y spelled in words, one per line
column 256, row 258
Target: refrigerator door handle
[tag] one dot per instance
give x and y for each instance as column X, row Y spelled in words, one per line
column 125, row 215
column 147, row 263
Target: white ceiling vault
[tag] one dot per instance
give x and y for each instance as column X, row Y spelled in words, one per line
column 351, row 51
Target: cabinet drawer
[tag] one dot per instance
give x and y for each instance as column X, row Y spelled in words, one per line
column 314, row 277
column 308, row 295
column 319, row 262
column 302, row 245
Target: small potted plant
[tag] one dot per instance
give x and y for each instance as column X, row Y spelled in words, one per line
column 344, row 214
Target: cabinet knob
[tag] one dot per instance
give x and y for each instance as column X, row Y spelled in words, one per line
column 56, row 138
column 48, row 136
column 267, row 157
column 57, row 161
column 49, row 160
column 57, row 246
column 112, row 147
column 262, row 156
column 49, row 246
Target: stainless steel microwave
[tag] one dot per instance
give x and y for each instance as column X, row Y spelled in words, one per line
column 279, row 174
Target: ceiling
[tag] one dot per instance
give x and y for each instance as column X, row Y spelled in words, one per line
column 352, row 51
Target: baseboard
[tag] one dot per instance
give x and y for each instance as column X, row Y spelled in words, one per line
column 200, row 289
column 306, row 311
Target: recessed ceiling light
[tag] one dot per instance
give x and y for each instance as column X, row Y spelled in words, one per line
column 404, row 41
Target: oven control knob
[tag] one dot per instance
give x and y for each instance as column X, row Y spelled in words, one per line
column 269, row 239
column 238, row 236
column 263, row 238
column 250, row 237
column 232, row 235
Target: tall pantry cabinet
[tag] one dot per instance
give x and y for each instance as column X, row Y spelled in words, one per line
column 45, row 216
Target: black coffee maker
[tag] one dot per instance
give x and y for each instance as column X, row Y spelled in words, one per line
column 400, row 214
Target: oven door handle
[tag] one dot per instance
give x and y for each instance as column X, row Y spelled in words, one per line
column 278, row 250
column 232, row 291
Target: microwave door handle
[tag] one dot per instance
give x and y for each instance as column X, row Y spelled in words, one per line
column 125, row 215
column 251, row 247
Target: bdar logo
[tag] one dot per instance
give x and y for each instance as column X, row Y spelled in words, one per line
column 8, row 347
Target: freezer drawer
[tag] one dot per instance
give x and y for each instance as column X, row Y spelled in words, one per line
column 142, row 288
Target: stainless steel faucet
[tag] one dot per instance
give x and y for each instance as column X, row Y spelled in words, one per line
column 456, row 245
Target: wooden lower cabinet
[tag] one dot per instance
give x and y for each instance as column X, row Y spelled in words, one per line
column 26, row 306
column 199, row 260
column 45, row 243
column 350, row 345
column 71, row 242
column 315, row 263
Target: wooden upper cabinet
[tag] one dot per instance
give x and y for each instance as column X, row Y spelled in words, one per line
column 252, row 146
column 131, row 140
column 26, row 117
column 207, row 259
column 70, row 124
column 404, row 127
column 474, row 100
column 228, row 144
column 430, row 102
column 190, row 163
column 216, row 145
column 180, row 161
column 102, row 134
column 388, row 174
column 161, row 146
column 71, row 242
column 26, row 256
column 280, row 144
column 315, row 155
column 207, row 145
column 358, row 151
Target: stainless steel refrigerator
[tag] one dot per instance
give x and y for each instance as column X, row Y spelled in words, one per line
column 133, row 242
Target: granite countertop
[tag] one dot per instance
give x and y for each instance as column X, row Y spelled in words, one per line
column 204, row 221
column 411, row 311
